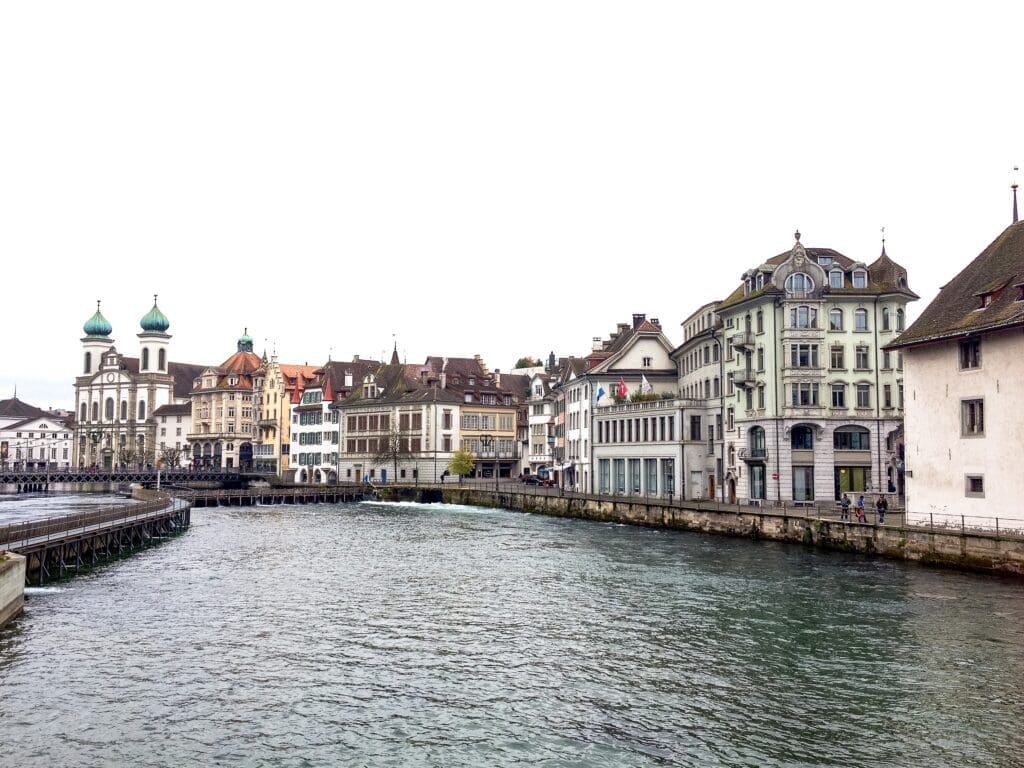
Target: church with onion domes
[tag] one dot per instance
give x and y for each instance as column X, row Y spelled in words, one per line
column 117, row 397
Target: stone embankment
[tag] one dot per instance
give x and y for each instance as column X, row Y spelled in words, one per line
column 12, row 586
column 966, row 550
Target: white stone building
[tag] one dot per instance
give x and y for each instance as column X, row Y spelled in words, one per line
column 33, row 439
column 813, row 401
column 964, row 379
column 115, row 395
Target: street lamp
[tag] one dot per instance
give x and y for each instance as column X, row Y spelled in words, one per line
column 487, row 441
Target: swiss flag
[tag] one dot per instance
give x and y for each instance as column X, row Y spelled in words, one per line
column 622, row 388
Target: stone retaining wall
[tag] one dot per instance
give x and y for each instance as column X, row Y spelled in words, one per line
column 12, row 586
column 978, row 551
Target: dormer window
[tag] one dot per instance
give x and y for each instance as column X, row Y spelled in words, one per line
column 232, row 381
column 746, row 286
column 835, row 278
column 760, row 281
column 825, row 261
column 468, row 398
column 799, row 284
column 860, row 278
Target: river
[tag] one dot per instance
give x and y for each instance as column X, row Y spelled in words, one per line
column 435, row 635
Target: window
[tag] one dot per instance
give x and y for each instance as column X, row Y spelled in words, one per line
column 972, row 418
column 839, row 396
column 804, row 356
column 85, row 412
column 799, row 284
column 835, row 320
column 695, row 427
column 805, row 394
column 756, row 442
column 974, row 486
column 802, row 438
column 970, row 353
column 860, row 320
column 760, row 396
column 124, row 410
column 145, row 358
column 162, row 360
column 803, row 317
column 142, row 410
column 887, row 396
column 835, row 278
column 863, row 395
column 861, row 362
column 824, row 261
column 885, row 318
column 803, row 483
column 899, row 319
column 88, row 362
column 851, row 439
column 838, row 359
column 648, row 361
column 760, row 358
column 760, row 321
column 730, row 416
column 860, row 279
column 108, row 409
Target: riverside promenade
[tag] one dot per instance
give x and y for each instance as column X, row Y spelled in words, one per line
column 951, row 542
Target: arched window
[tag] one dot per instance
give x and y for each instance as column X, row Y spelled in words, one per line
column 802, row 438
column 108, row 409
column 885, row 318
column 835, row 319
column 835, row 278
column 88, row 362
column 718, row 387
column 799, row 284
column 860, row 279
column 860, row 318
column 96, row 411
column 707, row 387
column 124, row 410
column 85, row 411
column 162, row 360
column 142, row 410
column 746, row 324
column 145, row 358
column 707, row 354
column 756, row 442
column 899, row 319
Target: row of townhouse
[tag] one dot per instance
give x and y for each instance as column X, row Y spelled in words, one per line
column 781, row 392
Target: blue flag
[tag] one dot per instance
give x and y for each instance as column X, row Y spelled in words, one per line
column 600, row 393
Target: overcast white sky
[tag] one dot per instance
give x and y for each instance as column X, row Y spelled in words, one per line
column 475, row 177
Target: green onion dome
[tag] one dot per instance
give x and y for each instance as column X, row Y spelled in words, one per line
column 245, row 342
column 97, row 325
column 155, row 320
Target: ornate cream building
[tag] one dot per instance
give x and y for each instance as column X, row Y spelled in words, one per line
column 223, row 409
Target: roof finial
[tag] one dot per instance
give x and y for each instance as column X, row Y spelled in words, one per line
column 1014, row 188
column 883, row 241
column 154, row 299
column 797, row 235
column 97, row 305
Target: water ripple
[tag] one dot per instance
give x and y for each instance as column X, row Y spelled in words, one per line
column 410, row 635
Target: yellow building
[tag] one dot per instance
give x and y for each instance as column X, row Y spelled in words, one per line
column 276, row 387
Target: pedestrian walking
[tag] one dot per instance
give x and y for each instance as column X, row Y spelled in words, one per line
column 882, row 506
column 858, row 509
column 844, row 508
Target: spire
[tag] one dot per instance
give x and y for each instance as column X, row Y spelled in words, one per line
column 1014, row 188
column 883, row 241
column 394, row 355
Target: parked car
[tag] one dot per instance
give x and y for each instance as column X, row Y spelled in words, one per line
column 538, row 480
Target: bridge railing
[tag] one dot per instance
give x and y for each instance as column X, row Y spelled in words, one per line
column 56, row 527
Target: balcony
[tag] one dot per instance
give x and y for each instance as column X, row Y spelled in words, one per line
column 742, row 340
column 745, row 377
column 753, row 455
column 267, row 423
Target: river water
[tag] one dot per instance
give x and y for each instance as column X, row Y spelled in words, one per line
column 434, row 635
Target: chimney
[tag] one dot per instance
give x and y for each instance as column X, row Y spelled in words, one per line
column 348, row 378
column 355, row 358
column 596, row 347
column 637, row 320
column 551, row 361
column 654, row 321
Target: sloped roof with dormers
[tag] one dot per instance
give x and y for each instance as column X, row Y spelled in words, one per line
column 984, row 296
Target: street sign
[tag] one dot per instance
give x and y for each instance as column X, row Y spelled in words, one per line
column 775, row 475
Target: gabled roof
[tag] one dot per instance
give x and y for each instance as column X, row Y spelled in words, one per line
column 174, row 409
column 55, row 423
column 996, row 273
column 14, row 408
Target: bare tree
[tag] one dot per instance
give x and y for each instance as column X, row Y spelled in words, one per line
column 393, row 447
column 170, row 458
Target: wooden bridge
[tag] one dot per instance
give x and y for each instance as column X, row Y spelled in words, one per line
column 295, row 494
column 55, row 546
column 42, row 480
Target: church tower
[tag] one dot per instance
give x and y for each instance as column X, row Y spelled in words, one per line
column 97, row 341
column 153, row 341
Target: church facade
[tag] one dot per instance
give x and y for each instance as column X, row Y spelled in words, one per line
column 116, row 395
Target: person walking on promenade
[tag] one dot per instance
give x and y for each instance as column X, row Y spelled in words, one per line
column 844, row 508
column 858, row 509
column 882, row 506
